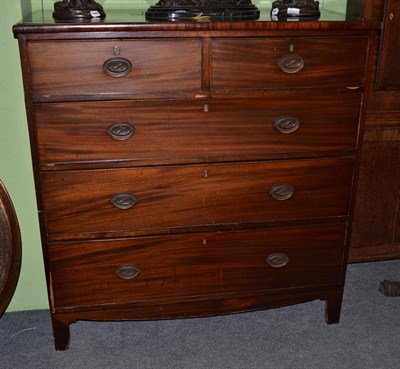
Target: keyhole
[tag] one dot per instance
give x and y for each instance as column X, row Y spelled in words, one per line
column 291, row 48
column 116, row 50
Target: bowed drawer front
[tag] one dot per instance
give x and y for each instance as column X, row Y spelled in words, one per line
column 141, row 270
column 146, row 198
column 193, row 173
column 144, row 131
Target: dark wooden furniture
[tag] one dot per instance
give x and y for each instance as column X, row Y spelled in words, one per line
column 10, row 249
column 376, row 229
column 193, row 169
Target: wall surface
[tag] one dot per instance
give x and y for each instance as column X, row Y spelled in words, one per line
column 108, row 4
column 15, row 162
column 332, row 5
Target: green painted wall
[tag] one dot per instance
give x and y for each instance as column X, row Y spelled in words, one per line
column 108, row 4
column 15, row 162
column 333, row 5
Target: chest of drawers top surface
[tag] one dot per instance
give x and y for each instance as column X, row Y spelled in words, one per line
column 134, row 20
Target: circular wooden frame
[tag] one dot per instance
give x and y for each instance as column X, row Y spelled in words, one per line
column 10, row 249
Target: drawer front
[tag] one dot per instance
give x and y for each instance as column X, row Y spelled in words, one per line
column 135, row 270
column 79, row 132
column 147, row 198
column 258, row 63
column 91, row 68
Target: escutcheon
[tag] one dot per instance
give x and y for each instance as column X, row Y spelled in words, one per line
column 128, row 271
column 121, row 131
column 124, row 200
column 291, row 63
column 117, row 67
column 277, row 260
column 281, row 191
column 286, row 124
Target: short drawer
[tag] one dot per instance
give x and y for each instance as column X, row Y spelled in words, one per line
column 184, row 196
column 287, row 62
column 157, row 268
column 179, row 130
column 91, row 69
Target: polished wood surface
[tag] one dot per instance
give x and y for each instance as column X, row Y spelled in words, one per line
column 187, row 266
column 388, row 73
column 78, row 132
column 328, row 62
column 376, row 219
column 77, row 67
column 379, row 197
column 209, row 194
column 131, row 20
column 368, row 9
column 10, row 249
column 217, row 176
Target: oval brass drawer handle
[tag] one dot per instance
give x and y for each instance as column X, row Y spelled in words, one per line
column 286, row 124
column 121, row 131
column 124, row 200
column 117, row 67
column 291, row 63
column 277, row 260
column 127, row 271
column 281, row 191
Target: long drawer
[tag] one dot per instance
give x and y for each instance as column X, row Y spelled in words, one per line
column 181, row 196
column 94, row 68
column 93, row 131
column 157, row 268
column 287, row 62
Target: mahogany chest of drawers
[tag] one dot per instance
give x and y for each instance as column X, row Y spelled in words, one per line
column 193, row 169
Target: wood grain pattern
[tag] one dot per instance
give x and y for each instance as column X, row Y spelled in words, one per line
column 190, row 266
column 186, row 196
column 10, row 249
column 60, row 68
column 377, row 214
column 388, row 77
column 370, row 9
column 383, row 118
column 376, row 218
column 125, row 23
column 77, row 132
column 252, row 64
column 196, row 175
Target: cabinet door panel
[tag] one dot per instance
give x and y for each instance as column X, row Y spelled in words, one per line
column 376, row 229
column 388, row 76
